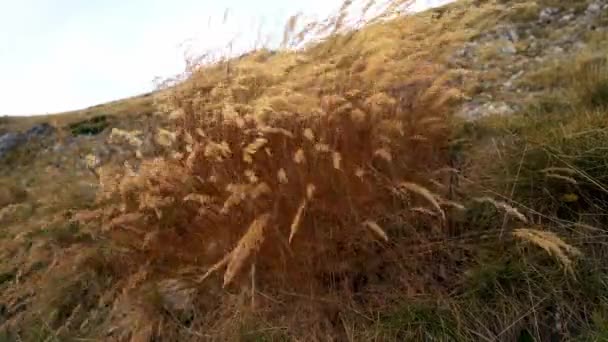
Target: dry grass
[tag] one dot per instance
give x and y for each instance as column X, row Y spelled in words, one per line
column 288, row 164
column 551, row 243
column 297, row 173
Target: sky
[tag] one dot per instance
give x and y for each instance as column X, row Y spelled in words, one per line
column 60, row 55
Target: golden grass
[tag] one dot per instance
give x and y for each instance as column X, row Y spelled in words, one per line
column 424, row 193
column 286, row 163
column 374, row 227
column 505, row 207
column 551, row 243
column 249, row 244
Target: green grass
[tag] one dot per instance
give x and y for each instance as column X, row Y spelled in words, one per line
column 512, row 290
column 418, row 322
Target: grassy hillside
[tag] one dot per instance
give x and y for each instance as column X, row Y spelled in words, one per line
column 132, row 106
column 439, row 176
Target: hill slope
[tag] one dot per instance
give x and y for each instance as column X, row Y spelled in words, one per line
column 489, row 115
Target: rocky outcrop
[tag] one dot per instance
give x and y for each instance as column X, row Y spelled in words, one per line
column 12, row 140
column 501, row 57
column 9, row 141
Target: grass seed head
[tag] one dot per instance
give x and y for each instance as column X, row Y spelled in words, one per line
column 249, row 244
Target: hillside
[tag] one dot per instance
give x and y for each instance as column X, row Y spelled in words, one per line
column 439, row 176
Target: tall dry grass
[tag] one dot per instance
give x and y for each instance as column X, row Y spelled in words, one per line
column 313, row 177
column 287, row 172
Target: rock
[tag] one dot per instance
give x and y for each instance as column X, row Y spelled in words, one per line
column 509, row 49
column 548, row 14
column 567, row 18
column 594, row 8
column 9, row 142
column 580, row 46
column 473, row 111
column 467, row 50
column 513, row 35
column 39, row 131
column 58, row 147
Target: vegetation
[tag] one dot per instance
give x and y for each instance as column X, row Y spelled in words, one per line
column 329, row 194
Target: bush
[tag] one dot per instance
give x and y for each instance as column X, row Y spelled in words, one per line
column 92, row 126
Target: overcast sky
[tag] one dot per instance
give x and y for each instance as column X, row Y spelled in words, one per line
column 59, row 55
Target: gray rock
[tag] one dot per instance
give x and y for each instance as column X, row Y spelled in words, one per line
column 567, row 18
column 580, row 46
column 9, row 142
column 513, row 35
column 594, row 8
column 548, row 14
column 58, row 147
column 39, row 131
column 474, row 111
column 467, row 51
column 509, row 49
